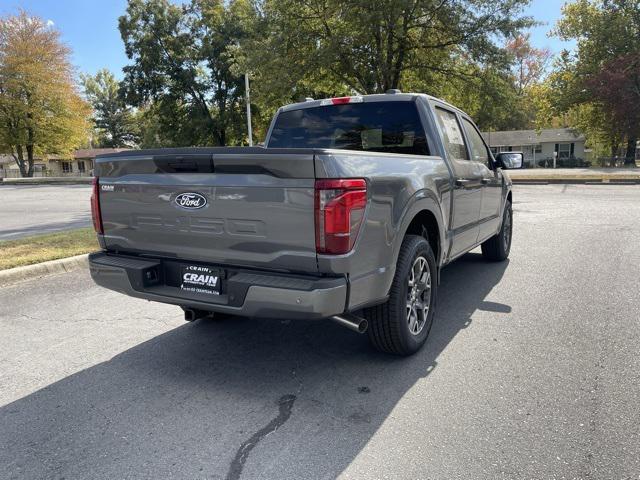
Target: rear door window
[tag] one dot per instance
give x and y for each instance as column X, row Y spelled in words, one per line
column 388, row 127
column 479, row 151
column 452, row 134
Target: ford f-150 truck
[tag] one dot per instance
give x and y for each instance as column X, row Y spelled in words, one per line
column 347, row 213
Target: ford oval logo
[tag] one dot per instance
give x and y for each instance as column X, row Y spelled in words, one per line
column 190, row 200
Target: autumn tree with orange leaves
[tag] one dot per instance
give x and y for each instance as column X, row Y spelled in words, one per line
column 529, row 63
column 41, row 111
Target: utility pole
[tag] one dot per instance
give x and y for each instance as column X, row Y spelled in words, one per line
column 535, row 165
column 533, row 141
column 248, row 99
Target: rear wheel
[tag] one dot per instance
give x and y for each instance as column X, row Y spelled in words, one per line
column 497, row 248
column 402, row 324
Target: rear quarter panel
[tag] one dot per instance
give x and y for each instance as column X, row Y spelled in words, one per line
column 399, row 187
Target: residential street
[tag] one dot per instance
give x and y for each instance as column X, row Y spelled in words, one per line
column 34, row 209
column 532, row 369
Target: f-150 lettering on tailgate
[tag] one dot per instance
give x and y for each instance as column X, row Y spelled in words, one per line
column 215, row 226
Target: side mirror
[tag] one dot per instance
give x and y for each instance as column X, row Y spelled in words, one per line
column 510, row 160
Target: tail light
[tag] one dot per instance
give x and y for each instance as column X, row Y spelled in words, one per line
column 339, row 210
column 95, row 207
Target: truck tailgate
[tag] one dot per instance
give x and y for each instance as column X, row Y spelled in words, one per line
column 240, row 206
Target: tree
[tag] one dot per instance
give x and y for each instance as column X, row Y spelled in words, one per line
column 371, row 46
column 183, row 62
column 322, row 48
column 617, row 87
column 40, row 109
column 504, row 98
column 529, row 63
column 489, row 95
column 604, row 71
column 500, row 96
column 113, row 118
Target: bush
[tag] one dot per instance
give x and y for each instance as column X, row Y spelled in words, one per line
column 571, row 162
column 612, row 161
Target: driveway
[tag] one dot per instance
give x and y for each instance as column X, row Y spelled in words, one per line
column 34, row 209
column 532, row 370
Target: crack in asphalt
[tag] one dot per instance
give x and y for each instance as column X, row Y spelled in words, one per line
column 285, row 405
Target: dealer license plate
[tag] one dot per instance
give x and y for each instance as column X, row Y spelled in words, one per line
column 199, row 279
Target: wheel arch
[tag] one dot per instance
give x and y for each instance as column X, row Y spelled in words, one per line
column 425, row 224
column 423, row 217
column 507, row 198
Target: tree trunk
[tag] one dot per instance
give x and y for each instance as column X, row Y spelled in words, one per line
column 30, row 160
column 115, row 137
column 30, row 150
column 222, row 95
column 630, row 156
column 20, row 161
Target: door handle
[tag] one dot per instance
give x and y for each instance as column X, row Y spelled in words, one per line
column 486, row 180
column 468, row 183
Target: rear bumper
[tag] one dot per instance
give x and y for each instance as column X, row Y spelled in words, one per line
column 245, row 292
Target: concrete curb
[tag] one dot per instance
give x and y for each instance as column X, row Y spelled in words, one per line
column 593, row 176
column 47, row 181
column 576, row 181
column 28, row 272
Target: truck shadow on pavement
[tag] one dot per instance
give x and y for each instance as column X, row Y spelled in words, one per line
column 232, row 399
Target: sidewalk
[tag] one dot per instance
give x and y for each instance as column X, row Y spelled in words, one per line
column 576, row 175
column 46, row 181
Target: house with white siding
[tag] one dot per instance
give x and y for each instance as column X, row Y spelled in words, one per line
column 539, row 147
column 78, row 164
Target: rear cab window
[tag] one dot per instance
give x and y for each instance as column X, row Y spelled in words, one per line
column 387, row 127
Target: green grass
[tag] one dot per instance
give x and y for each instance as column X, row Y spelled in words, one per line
column 40, row 248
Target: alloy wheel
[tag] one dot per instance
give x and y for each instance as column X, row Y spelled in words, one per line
column 418, row 295
column 507, row 229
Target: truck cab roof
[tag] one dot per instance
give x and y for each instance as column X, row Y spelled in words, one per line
column 391, row 96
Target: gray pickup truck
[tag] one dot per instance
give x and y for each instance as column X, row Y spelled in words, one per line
column 348, row 213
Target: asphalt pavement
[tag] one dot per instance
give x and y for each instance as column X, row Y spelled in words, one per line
column 34, row 209
column 532, row 370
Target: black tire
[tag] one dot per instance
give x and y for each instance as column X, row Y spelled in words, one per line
column 497, row 248
column 389, row 323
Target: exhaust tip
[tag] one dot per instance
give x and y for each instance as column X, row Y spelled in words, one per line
column 364, row 326
column 352, row 322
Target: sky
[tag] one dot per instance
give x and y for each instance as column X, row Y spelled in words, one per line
column 90, row 28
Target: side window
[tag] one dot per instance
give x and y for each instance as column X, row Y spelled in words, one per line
column 564, row 150
column 452, row 134
column 478, row 148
